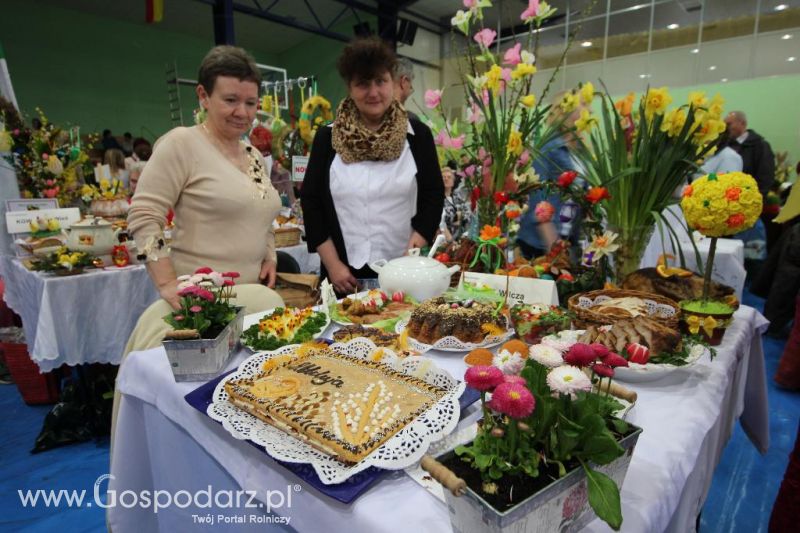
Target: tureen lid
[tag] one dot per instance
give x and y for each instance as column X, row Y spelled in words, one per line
column 89, row 222
column 415, row 262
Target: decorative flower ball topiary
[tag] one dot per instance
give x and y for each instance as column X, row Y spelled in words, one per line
column 717, row 205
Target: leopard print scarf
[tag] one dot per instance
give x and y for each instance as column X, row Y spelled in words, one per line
column 354, row 142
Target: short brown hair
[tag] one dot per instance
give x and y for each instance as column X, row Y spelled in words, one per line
column 226, row 60
column 366, row 58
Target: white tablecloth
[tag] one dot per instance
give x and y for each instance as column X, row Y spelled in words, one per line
column 309, row 263
column 728, row 259
column 163, row 443
column 77, row 319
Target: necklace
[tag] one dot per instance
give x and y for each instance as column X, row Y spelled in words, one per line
column 253, row 167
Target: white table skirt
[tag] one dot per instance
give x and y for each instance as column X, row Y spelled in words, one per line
column 309, row 263
column 77, row 319
column 728, row 259
column 163, row 443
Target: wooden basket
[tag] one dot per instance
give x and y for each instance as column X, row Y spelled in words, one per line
column 36, row 388
column 585, row 317
column 287, row 237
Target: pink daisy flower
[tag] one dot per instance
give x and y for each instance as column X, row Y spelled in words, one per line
column 512, row 399
column 483, row 378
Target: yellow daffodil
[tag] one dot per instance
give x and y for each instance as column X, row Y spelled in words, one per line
column 673, row 122
column 53, row 225
column 493, row 78
column 708, row 131
column 698, row 99
column 514, row 145
column 104, row 184
column 586, row 121
column 34, row 226
column 569, row 102
column 528, row 100
column 715, row 107
column 587, row 93
column 522, row 70
column 656, row 101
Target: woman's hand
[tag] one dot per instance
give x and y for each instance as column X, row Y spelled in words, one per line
column 169, row 292
column 343, row 280
column 268, row 273
column 416, row 241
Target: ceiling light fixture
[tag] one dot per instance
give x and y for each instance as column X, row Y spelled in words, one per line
column 712, row 67
column 724, row 80
column 586, row 44
column 673, row 26
column 695, row 51
column 786, row 36
column 781, row 7
column 643, row 76
column 792, row 58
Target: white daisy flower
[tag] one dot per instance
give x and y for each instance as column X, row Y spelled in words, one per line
column 546, row 355
column 509, row 363
column 216, row 278
column 567, row 379
column 563, row 340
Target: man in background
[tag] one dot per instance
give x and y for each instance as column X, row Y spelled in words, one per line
column 404, row 81
column 757, row 157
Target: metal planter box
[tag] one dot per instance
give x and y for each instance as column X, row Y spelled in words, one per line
column 203, row 359
column 562, row 506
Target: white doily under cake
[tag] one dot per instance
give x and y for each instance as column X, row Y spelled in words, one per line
column 402, row 450
column 450, row 343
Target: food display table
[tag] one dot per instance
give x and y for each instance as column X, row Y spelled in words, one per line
column 164, row 444
column 79, row 319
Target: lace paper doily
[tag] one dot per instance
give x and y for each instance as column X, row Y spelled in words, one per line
column 653, row 308
column 402, row 450
column 450, row 343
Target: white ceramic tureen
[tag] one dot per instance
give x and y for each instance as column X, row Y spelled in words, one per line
column 417, row 276
column 92, row 235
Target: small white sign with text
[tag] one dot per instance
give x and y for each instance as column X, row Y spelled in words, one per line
column 299, row 165
column 520, row 290
column 20, row 221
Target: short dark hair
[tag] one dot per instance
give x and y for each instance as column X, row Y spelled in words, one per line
column 366, row 58
column 226, row 60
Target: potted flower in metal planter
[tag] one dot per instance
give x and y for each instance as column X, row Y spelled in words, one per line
column 207, row 327
column 717, row 205
column 548, row 451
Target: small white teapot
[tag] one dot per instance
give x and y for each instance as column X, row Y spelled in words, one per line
column 419, row 277
column 93, row 235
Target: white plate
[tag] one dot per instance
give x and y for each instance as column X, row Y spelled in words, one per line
column 255, row 318
column 636, row 373
column 453, row 344
column 405, row 448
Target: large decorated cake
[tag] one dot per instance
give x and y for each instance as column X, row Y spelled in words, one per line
column 343, row 406
column 468, row 321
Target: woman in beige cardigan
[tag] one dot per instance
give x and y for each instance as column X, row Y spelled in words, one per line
column 217, row 185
